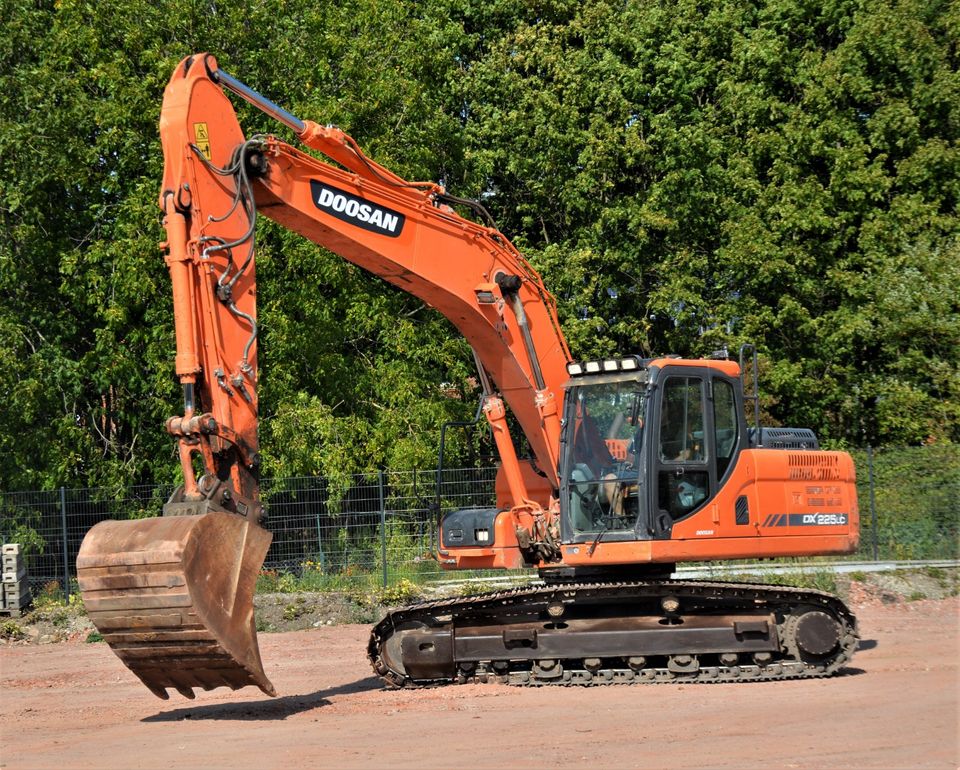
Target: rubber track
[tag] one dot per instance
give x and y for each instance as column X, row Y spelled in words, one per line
column 519, row 600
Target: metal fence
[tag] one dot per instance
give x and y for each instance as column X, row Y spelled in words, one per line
column 376, row 529
column 381, row 527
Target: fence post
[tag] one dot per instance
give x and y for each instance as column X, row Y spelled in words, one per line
column 873, row 505
column 323, row 561
column 66, row 556
column 383, row 526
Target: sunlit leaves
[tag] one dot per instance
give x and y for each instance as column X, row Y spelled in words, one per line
column 684, row 175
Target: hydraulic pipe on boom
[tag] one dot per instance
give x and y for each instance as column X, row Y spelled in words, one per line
column 259, row 101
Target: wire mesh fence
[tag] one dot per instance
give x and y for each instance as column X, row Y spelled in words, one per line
column 909, row 502
column 383, row 526
column 378, row 529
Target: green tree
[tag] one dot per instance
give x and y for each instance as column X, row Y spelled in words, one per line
column 690, row 176
column 353, row 367
column 684, row 175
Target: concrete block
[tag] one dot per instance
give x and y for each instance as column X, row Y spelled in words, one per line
column 16, row 589
column 14, row 576
column 10, row 549
column 17, row 602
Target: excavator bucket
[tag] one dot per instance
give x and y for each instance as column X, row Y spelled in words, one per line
column 173, row 597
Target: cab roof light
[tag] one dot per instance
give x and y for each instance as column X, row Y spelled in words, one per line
column 603, row 366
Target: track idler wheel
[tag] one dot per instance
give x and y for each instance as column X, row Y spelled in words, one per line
column 816, row 633
column 813, row 636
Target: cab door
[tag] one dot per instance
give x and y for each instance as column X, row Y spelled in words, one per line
column 694, row 443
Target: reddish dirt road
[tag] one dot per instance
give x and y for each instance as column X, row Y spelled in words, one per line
column 73, row 705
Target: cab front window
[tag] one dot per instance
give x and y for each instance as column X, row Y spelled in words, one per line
column 603, row 458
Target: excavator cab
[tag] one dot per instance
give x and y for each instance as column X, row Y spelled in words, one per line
column 648, row 444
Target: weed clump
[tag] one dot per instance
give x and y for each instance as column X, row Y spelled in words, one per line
column 11, row 631
column 295, row 610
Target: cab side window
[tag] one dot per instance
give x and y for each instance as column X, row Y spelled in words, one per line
column 683, row 478
column 724, row 424
column 681, row 421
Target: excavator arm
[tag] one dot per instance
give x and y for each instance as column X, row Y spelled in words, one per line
column 173, row 596
column 217, row 182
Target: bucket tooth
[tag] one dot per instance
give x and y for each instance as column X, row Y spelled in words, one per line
column 173, row 597
column 160, row 692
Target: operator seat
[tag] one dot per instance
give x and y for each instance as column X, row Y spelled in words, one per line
column 583, row 490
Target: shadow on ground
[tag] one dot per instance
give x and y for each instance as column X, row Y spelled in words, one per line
column 262, row 710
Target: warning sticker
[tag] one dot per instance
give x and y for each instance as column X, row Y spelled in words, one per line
column 202, row 138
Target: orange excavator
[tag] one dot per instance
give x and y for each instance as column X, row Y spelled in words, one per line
column 637, row 464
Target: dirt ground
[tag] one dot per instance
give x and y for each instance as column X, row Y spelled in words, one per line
column 73, row 705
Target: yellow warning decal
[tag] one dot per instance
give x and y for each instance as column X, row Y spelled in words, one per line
column 202, row 136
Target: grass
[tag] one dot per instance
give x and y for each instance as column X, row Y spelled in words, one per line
column 284, row 582
column 263, row 625
column 403, row 591
column 296, row 609
column 363, row 587
column 938, row 574
column 60, row 617
column 819, row 580
column 11, row 630
column 469, row 589
column 50, row 604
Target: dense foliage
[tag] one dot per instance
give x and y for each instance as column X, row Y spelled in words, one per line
column 686, row 176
